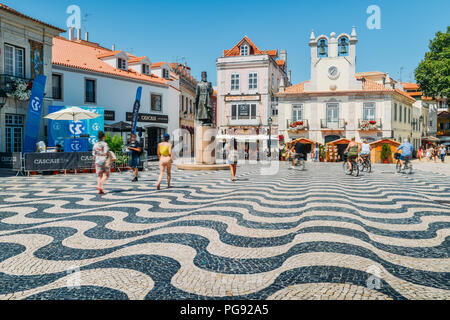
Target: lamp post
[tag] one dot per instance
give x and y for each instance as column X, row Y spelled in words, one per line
column 270, row 122
column 3, row 98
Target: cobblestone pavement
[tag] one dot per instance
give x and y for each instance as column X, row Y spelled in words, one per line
column 314, row 234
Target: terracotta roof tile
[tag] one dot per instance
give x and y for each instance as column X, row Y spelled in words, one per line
column 81, row 56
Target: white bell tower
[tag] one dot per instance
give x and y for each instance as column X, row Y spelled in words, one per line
column 333, row 62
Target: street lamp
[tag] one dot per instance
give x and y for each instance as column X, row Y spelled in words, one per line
column 270, row 122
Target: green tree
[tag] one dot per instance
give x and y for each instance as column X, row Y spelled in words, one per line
column 433, row 72
column 115, row 143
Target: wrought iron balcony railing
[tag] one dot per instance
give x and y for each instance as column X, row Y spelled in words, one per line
column 332, row 123
column 7, row 82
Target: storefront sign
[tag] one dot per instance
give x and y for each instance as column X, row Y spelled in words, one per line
column 243, row 98
column 110, row 115
column 150, row 118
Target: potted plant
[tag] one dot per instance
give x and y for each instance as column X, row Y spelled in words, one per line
column 322, row 153
column 386, row 153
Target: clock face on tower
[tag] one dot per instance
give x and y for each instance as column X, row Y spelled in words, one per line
column 333, row 73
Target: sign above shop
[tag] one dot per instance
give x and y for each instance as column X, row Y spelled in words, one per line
column 255, row 97
column 149, row 118
column 110, row 115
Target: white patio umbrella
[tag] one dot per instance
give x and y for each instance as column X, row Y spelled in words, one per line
column 72, row 114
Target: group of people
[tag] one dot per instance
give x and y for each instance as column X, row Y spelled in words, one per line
column 104, row 158
column 432, row 153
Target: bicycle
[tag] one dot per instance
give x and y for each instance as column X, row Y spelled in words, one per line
column 365, row 164
column 300, row 162
column 407, row 166
column 355, row 167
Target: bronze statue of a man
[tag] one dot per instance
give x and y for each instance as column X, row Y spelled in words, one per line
column 203, row 101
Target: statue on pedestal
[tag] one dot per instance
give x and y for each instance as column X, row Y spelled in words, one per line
column 203, row 102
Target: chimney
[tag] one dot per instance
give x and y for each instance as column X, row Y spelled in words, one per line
column 86, row 36
column 78, row 34
column 71, row 33
column 113, row 47
column 283, row 56
column 290, row 76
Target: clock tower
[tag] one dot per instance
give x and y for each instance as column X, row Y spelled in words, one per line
column 333, row 63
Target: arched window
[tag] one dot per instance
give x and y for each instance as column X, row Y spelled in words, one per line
column 343, row 47
column 323, row 48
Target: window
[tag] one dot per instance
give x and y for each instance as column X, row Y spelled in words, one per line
column 244, row 50
column 146, row 69
column 253, row 81
column 165, row 73
column 297, row 113
column 90, row 91
column 57, row 86
column 404, row 119
column 395, row 112
column 14, row 131
column 243, row 111
column 234, row 82
column 332, row 114
column 369, row 111
column 409, row 115
column 14, row 61
column 274, row 112
column 182, row 103
column 400, row 113
column 156, row 101
column 122, row 64
column 273, row 81
column 187, row 104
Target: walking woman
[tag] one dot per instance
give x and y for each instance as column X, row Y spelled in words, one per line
column 420, row 154
column 102, row 165
column 165, row 161
column 233, row 158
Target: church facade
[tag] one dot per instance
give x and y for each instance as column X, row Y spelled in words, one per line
column 337, row 102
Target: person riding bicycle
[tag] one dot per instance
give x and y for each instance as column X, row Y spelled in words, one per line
column 352, row 151
column 406, row 149
column 365, row 150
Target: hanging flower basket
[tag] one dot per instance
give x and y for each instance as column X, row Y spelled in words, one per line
column 368, row 125
column 298, row 125
column 22, row 89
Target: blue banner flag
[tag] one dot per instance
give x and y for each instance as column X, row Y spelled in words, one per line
column 34, row 114
column 136, row 107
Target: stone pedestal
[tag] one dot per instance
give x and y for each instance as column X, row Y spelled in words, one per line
column 205, row 145
column 205, row 151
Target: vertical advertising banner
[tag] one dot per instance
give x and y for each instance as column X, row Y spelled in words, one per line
column 34, row 114
column 60, row 130
column 136, row 107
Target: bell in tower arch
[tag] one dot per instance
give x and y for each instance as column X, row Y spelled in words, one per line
column 322, row 48
column 343, row 47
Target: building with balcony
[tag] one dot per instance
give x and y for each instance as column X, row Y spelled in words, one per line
column 87, row 74
column 247, row 80
column 339, row 103
column 25, row 52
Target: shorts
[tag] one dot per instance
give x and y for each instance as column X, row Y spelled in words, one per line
column 403, row 158
column 134, row 162
column 100, row 169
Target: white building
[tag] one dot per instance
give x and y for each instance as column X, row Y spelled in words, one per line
column 247, row 80
column 339, row 103
column 87, row 74
column 20, row 36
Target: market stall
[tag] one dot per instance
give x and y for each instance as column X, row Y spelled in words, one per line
column 335, row 150
column 380, row 154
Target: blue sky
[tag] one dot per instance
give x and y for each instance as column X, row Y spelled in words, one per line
column 199, row 31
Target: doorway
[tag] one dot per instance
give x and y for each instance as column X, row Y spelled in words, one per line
column 155, row 136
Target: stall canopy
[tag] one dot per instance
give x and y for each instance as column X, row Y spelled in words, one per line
column 375, row 154
column 335, row 149
column 121, row 127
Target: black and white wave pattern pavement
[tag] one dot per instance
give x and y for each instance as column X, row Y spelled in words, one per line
column 316, row 234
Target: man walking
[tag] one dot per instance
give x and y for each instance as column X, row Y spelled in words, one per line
column 136, row 149
column 442, row 153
